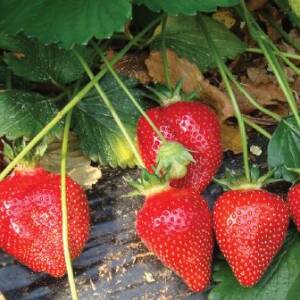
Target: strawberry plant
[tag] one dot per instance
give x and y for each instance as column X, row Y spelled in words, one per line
column 164, row 87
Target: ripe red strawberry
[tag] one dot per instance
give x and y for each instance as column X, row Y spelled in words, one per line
column 176, row 225
column 250, row 227
column 30, row 216
column 294, row 204
column 196, row 127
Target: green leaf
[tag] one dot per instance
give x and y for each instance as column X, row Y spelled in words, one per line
column 287, row 9
column 184, row 35
column 284, row 149
column 17, row 82
column 67, row 22
column 100, row 138
column 281, row 280
column 4, row 73
column 186, row 7
column 32, row 60
column 24, row 114
column 295, row 5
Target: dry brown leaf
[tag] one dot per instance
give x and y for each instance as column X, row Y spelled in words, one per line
column 193, row 80
column 296, row 86
column 180, row 69
column 78, row 166
column 259, row 75
column 256, row 4
column 231, row 138
column 133, row 65
column 262, row 119
column 213, row 96
column 295, row 35
column 282, row 110
column 290, row 74
column 266, row 94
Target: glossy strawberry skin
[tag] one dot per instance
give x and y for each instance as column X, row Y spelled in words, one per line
column 30, row 216
column 176, row 225
column 294, row 204
column 250, row 227
column 196, row 127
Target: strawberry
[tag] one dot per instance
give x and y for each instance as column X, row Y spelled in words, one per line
column 176, row 225
column 250, row 227
column 294, row 204
column 30, row 216
column 196, row 127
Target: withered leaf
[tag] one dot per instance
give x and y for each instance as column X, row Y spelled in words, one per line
column 78, row 166
column 179, row 68
column 231, row 139
column 133, row 65
column 256, row 4
column 193, row 80
column 259, row 75
column 266, row 94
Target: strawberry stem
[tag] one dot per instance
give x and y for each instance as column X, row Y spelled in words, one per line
column 166, row 96
column 285, row 56
column 251, row 99
column 73, row 102
column 64, row 209
column 111, row 109
column 128, row 93
column 282, row 54
column 258, row 128
column 164, row 52
column 222, row 70
column 295, row 170
column 268, row 49
column 291, row 65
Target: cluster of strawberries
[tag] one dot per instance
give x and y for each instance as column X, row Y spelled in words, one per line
column 250, row 224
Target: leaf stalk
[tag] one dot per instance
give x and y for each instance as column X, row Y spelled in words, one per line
column 222, row 70
column 64, row 209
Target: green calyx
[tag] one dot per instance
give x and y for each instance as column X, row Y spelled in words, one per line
column 165, row 96
column 172, row 160
column 295, row 170
column 233, row 180
column 148, row 184
column 31, row 160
